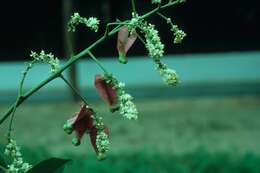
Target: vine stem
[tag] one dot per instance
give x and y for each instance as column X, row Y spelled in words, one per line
column 20, row 92
column 162, row 16
column 73, row 89
column 140, row 38
column 74, row 59
column 97, row 61
column 3, row 169
column 133, row 6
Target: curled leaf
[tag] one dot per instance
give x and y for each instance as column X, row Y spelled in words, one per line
column 106, row 91
column 124, row 42
column 80, row 123
column 52, row 165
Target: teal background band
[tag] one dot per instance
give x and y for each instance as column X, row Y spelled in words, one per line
column 221, row 73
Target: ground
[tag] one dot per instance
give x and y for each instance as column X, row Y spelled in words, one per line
column 193, row 134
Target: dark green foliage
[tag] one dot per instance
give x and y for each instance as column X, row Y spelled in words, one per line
column 2, row 163
column 52, row 165
column 200, row 161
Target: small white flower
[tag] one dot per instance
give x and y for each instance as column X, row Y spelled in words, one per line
column 121, row 85
column 17, row 165
column 179, row 36
column 169, row 76
column 153, row 41
column 127, row 107
column 93, row 23
column 47, row 58
column 102, row 142
column 134, row 22
column 76, row 19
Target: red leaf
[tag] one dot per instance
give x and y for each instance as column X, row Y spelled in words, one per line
column 106, row 91
column 81, row 122
column 124, row 43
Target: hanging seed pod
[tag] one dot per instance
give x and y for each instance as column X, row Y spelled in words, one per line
column 124, row 43
column 80, row 123
column 107, row 92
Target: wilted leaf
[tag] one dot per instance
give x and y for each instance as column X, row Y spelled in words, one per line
column 52, row 165
column 124, row 43
column 107, row 92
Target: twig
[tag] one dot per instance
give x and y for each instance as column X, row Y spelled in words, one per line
column 73, row 59
column 73, row 89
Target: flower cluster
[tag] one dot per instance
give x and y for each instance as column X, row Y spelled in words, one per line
column 86, row 121
column 123, row 100
column 47, row 58
column 99, row 137
column 76, row 19
column 156, row 1
column 178, row 34
column 102, row 143
column 18, row 165
column 134, row 22
column 169, row 76
column 153, row 41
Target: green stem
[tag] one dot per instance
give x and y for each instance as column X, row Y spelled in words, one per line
column 111, row 24
column 162, row 16
column 73, row 89
column 140, row 38
column 133, row 6
column 73, row 60
column 160, row 8
column 12, row 119
column 3, row 169
column 98, row 62
column 20, row 91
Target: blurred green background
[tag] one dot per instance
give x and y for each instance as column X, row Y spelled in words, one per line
column 209, row 123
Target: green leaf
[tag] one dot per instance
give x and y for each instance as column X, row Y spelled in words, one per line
column 52, row 165
column 2, row 163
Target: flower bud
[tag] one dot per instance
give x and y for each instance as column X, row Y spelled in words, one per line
column 75, row 141
column 67, row 128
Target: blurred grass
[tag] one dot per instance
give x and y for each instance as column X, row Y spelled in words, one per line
column 202, row 134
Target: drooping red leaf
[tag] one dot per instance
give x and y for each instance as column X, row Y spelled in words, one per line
column 81, row 122
column 106, row 91
column 124, row 42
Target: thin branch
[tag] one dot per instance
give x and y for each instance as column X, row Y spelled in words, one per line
column 140, row 38
column 75, row 58
column 98, row 62
column 20, row 92
column 73, row 89
column 133, row 6
column 162, row 16
column 3, row 168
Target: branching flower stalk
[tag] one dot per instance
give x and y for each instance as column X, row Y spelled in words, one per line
column 80, row 55
column 111, row 90
column 178, row 34
column 17, row 165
